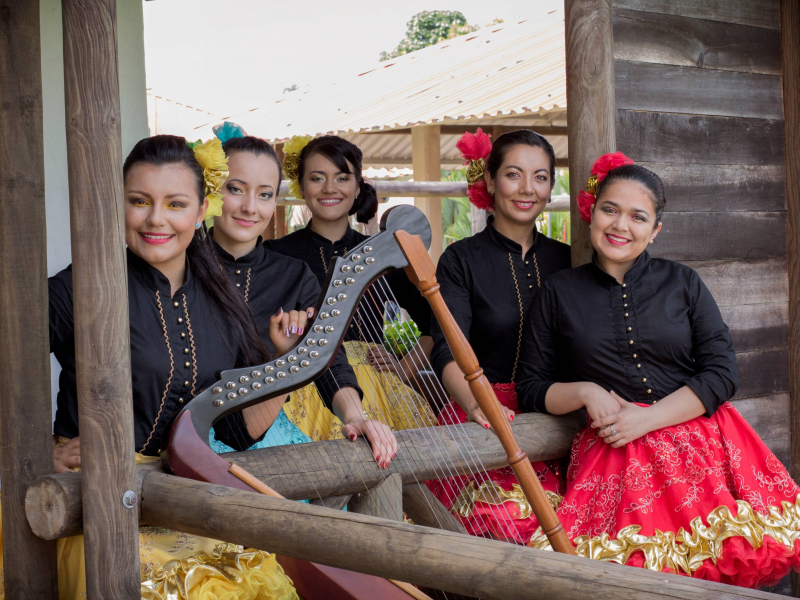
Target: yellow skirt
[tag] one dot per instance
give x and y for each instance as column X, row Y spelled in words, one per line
column 386, row 398
column 179, row 566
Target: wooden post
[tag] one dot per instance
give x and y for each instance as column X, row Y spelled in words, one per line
column 790, row 34
column 462, row 564
column 427, row 164
column 100, row 299
column 26, row 449
column 425, row 509
column 384, row 500
column 591, row 111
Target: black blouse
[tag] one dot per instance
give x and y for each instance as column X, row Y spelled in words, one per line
column 270, row 281
column 645, row 338
column 178, row 344
column 367, row 324
column 488, row 285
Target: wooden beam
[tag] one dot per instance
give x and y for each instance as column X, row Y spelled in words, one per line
column 384, row 500
column 426, row 153
column 54, row 508
column 456, row 563
column 424, row 508
column 26, row 448
column 790, row 35
column 590, row 111
column 102, row 346
column 545, row 130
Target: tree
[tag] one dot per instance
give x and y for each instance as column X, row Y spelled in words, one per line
column 430, row 27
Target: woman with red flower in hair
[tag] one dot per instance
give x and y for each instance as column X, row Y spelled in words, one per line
column 487, row 281
column 667, row 475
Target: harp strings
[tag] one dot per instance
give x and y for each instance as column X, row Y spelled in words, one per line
column 452, row 436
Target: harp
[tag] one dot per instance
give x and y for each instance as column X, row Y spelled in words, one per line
column 401, row 244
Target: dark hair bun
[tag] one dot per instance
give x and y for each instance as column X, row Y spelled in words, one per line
column 366, row 205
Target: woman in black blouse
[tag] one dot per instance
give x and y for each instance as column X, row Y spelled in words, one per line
column 187, row 322
column 326, row 172
column 487, row 281
column 668, row 475
column 282, row 293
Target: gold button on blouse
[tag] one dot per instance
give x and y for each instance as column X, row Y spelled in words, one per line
column 187, row 364
column 175, row 304
column 185, row 384
column 635, row 356
column 529, row 274
column 625, row 305
column 630, row 342
column 626, row 315
column 624, row 285
column 238, row 285
column 644, row 379
column 238, row 271
column 650, row 391
column 183, row 335
column 639, row 366
column 527, row 262
column 530, row 287
column 180, row 400
column 624, row 296
column 180, row 320
column 629, row 328
column 186, row 351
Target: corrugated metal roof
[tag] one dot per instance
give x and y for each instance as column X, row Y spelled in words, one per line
column 507, row 69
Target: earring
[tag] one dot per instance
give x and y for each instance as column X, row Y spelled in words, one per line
column 550, row 199
column 198, row 225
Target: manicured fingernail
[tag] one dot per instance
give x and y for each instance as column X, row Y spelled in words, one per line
column 300, row 331
column 294, row 328
column 395, row 454
column 287, row 332
column 352, row 438
column 310, row 313
column 280, row 310
column 487, row 426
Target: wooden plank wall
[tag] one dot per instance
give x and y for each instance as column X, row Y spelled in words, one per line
column 699, row 100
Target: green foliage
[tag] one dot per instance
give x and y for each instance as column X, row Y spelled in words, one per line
column 400, row 337
column 456, row 213
column 428, row 28
column 562, row 182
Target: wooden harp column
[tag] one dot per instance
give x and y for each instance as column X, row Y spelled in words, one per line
column 422, row 273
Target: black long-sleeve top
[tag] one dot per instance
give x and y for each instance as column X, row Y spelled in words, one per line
column 487, row 284
column 644, row 338
column 178, row 344
column 367, row 324
column 270, row 281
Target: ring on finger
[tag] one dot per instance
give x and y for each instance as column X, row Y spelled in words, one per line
column 613, row 431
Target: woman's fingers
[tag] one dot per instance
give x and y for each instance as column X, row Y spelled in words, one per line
column 478, row 417
column 302, row 320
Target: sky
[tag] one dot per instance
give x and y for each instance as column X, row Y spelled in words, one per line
column 228, row 56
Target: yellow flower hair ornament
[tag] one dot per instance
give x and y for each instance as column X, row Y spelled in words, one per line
column 212, row 158
column 291, row 162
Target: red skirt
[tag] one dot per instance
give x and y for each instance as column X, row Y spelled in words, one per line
column 493, row 502
column 705, row 498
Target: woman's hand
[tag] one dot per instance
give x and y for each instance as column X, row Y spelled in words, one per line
column 67, row 456
column 286, row 328
column 380, row 437
column 627, row 425
column 476, row 415
column 384, row 360
column 599, row 403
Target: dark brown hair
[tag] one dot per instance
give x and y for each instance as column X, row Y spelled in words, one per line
column 506, row 141
column 641, row 175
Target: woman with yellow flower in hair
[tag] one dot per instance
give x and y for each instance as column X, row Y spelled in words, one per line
column 187, row 322
column 326, row 172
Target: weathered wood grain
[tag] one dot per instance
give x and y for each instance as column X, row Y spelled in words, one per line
column 673, row 138
column 758, row 326
column 790, row 35
column 678, row 89
column 765, row 13
column 334, row 502
column 102, row 347
column 763, row 372
column 384, row 500
column 29, row 563
column 721, row 188
column 426, row 163
column 721, row 235
column 734, row 282
column 337, row 467
column 425, row 509
column 682, row 40
column 420, row 555
column 769, row 416
column 590, row 110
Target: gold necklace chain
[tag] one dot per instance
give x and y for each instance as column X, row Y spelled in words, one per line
column 521, row 306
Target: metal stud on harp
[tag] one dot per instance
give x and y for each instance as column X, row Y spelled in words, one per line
column 423, row 453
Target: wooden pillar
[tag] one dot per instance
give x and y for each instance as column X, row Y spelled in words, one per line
column 790, row 36
column 384, row 500
column 277, row 227
column 100, row 299
column 591, row 113
column 26, row 448
column 427, row 164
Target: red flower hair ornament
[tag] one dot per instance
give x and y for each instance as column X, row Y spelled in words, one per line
column 475, row 150
column 600, row 169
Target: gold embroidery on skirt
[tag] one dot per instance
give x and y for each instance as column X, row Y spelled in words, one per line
column 491, row 493
column 686, row 551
